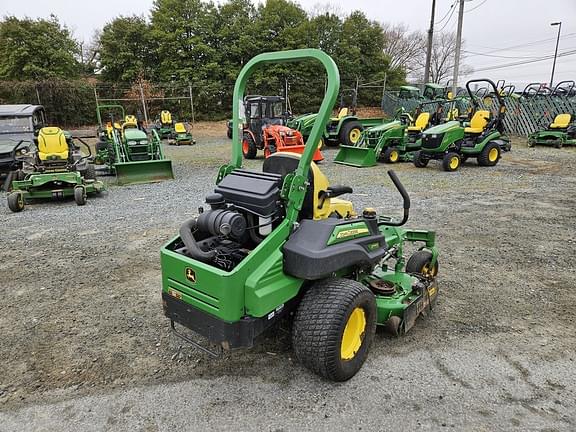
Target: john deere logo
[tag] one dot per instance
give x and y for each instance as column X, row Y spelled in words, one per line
column 190, row 274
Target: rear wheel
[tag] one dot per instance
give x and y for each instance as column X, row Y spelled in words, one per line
column 350, row 133
column 80, row 195
column 451, row 162
column 334, row 327
column 391, row 155
column 490, row 155
column 249, row 149
column 90, row 173
column 16, row 202
column 420, row 161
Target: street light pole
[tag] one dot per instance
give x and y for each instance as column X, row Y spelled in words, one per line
column 559, row 24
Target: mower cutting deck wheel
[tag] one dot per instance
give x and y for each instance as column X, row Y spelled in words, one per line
column 334, row 327
column 16, row 202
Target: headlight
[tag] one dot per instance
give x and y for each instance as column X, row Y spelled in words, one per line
column 132, row 143
column 434, row 136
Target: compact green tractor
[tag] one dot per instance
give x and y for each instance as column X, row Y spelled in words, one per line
column 395, row 141
column 344, row 129
column 559, row 133
column 482, row 137
column 409, row 92
column 129, row 152
column 59, row 171
column 278, row 244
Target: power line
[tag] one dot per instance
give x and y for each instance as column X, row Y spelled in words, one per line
column 449, row 10
column 502, row 66
column 476, row 7
column 497, row 56
column 449, row 18
column 537, row 42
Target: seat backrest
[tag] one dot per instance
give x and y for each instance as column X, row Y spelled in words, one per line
column 180, row 128
column 52, row 144
column 422, row 120
column 342, row 113
column 165, row 117
column 561, row 121
column 479, row 119
column 284, row 163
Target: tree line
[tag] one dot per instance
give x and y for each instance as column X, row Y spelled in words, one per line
column 206, row 44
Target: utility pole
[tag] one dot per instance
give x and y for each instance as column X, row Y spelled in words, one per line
column 458, row 47
column 559, row 24
column 143, row 103
column 430, row 38
column 191, row 103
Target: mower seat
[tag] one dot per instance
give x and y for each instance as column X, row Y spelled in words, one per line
column 52, row 145
column 561, row 121
column 130, row 122
column 165, row 117
column 320, row 201
column 180, row 128
column 421, row 122
column 341, row 114
column 478, row 122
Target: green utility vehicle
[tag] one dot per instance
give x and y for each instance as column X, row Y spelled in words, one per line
column 482, row 138
column 277, row 244
column 345, row 129
column 128, row 152
column 59, row 171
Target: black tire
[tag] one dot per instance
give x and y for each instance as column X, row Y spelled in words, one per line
column 90, row 173
column 530, row 142
column 330, row 143
column 80, row 195
column 391, row 155
column 348, row 129
column 229, row 132
column 420, row 161
column 490, row 155
column 321, row 320
column 419, row 262
column 101, row 145
column 249, row 149
column 15, row 202
column 451, row 162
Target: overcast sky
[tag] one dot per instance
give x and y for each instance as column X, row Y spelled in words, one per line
column 504, row 31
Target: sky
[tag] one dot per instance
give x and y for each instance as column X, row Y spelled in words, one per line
column 496, row 32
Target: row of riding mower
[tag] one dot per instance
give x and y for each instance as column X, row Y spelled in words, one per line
column 263, row 128
column 56, row 170
column 177, row 133
column 279, row 245
column 559, row 133
column 126, row 150
column 396, row 140
column 482, row 137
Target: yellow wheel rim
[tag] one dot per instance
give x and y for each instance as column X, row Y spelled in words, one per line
column 354, row 135
column 320, row 144
column 393, row 156
column 493, row 155
column 454, row 162
column 353, row 334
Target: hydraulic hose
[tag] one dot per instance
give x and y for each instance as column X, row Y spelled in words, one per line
column 193, row 250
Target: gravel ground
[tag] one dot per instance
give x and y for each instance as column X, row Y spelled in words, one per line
column 84, row 344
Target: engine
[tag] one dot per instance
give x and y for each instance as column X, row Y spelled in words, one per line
column 244, row 209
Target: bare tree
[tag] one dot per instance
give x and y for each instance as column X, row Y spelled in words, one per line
column 404, row 48
column 442, row 61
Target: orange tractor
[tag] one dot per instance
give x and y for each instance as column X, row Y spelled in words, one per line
column 264, row 129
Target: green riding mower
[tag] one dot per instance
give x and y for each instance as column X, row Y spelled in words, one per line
column 59, row 170
column 164, row 124
column 397, row 140
column 181, row 135
column 559, row 133
column 482, row 137
column 129, row 152
column 278, row 245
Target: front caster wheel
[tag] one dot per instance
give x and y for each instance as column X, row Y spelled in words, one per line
column 80, row 195
column 16, row 202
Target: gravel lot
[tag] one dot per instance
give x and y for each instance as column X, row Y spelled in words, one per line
column 84, row 344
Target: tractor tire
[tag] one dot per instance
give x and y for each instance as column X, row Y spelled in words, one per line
column 350, row 133
column 334, row 327
column 229, row 132
column 451, row 162
column 269, row 151
column 419, row 263
column 90, row 173
column 101, row 145
column 80, row 195
column 490, row 155
column 15, row 202
column 249, row 149
column 419, row 160
column 391, row 155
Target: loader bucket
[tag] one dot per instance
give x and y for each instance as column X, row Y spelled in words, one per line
column 149, row 171
column 356, row 156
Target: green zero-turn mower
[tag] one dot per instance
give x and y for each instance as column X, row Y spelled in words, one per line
column 559, row 133
column 397, row 140
column 278, row 244
column 129, row 152
column 59, row 171
column 482, row 137
column 182, row 135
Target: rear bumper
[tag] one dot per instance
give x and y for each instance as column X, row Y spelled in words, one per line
column 238, row 334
